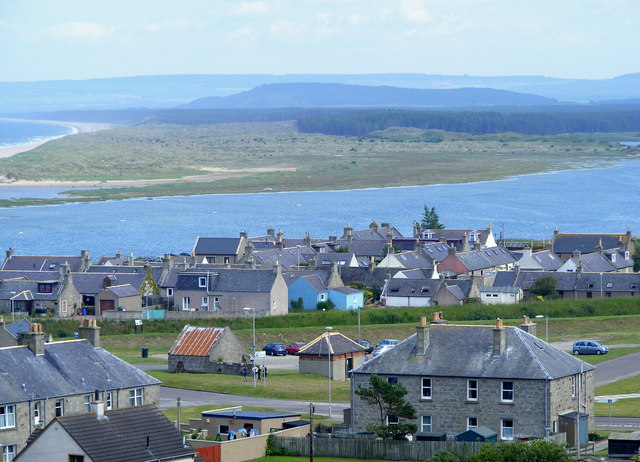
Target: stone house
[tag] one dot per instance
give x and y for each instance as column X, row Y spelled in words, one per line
column 209, row 350
column 122, row 297
column 230, row 290
column 331, row 355
column 460, row 377
column 76, row 264
column 91, row 283
column 402, row 292
column 565, row 244
column 220, row 250
column 472, row 263
column 41, row 381
column 134, row 433
column 500, row 295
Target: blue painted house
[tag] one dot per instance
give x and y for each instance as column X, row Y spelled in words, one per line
column 346, row 298
column 320, row 286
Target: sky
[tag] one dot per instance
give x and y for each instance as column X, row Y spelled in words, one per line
column 82, row 39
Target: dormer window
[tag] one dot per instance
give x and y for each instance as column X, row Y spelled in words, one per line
column 45, row 288
column 626, row 255
column 613, row 257
column 202, row 281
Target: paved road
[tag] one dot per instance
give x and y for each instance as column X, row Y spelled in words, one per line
column 618, row 423
column 617, row 369
column 169, row 396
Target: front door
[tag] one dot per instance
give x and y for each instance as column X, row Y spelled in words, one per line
column 106, row 305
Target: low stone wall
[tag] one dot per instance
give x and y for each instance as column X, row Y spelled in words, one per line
column 202, row 365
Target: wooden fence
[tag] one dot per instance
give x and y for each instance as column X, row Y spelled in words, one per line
column 374, row 449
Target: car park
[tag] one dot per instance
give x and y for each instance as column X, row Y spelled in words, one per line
column 589, row 347
column 275, row 349
column 368, row 348
column 294, row 348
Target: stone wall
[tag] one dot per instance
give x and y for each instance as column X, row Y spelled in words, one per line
column 202, row 365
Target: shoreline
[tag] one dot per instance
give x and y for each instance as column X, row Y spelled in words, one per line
column 76, row 127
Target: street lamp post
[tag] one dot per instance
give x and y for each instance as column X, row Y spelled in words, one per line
column 329, row 329
column 359, row 338
column 253, row 347
column 546, row 326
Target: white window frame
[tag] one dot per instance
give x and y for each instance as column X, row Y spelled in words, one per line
column 426, row 388
column 202, row 281
column 426, row 423
column 86, row 400
column 507, row 394
column 8, row 452
column 573, row 386
column 472, row 390
column 169, row 291
column 186, row 301
column 36, row 413
column 8, row 416
column 472, row 422
column 136, row 397
column 108, row 400
column 216, row 303
column 59, row 407
column 323, row 297
column 205, row 302
column 507, row 429
column 227, row 260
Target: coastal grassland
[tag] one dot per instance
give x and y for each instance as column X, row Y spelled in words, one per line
column 220, row 158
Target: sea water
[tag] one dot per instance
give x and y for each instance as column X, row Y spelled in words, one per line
column 18, row 133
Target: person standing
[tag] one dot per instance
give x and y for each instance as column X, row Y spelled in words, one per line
column 265, row 371
column 259, row 371
column 244, row 372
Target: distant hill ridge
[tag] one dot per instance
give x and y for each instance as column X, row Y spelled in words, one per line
column 302, row 94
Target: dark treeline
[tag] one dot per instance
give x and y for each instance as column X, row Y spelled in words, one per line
column 358, row 123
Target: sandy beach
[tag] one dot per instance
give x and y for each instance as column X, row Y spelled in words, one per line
column 78, row 127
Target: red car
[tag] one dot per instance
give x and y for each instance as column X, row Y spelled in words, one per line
column 294, row 347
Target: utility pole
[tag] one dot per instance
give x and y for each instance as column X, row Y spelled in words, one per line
column 311, row 409
column 178, row 410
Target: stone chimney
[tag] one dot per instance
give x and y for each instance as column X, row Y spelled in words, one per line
column 334, row 279
column 270, row 231
column 1, row 322
column 599, row 247
column 422, row 337
column 436, row 318
column 528, row 326
column 65, row 273
column 417, row 245
column 373, row 226
column 307, row 238
column 465, row 242
column 499, row 338
column 85, row 260
column 34, row 339
column 97, row 407
column 452, row 250
column 348, row 233
column 372, row 264
column 244, row 234
column 8, row 253
column 89, row 330
column 280, row 236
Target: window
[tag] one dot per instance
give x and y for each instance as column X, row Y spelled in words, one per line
column 59, row 407
column 202, row 281
column 426, row 388
column 589, row 294
column 108, row 400
column 226, row 260
column 216, row 303
column 205, row 302
column 472, row 390
column 223, row 429
column 136, row 397
column 392, row 420
column 169, row 291
column 392, row 380
column 7, row 416
column 8, row 452
column 87, row 403
column 186, row 301
column 506, row 429
column 426, row 423
column 573, row 386
column 36, row 413
column 507, row 392
column 74, row 458
column 322, row 297
column 607, row 294
column 45, row 288
column 472, row 422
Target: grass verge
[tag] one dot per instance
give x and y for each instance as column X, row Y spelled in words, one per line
column 629, row 385
column 621, row 408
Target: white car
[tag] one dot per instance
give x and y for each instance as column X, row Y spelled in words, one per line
column 382, row 349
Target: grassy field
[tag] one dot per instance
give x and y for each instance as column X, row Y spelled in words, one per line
column 284, row 384
column 297, row 161
column 621, row 408
column 630, row 385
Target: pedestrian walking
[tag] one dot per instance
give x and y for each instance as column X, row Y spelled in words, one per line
column 254, row 370
column 265, row 371
column 244, row 372
column 259, row 371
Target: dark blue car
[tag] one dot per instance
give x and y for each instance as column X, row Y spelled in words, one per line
column 275, row 349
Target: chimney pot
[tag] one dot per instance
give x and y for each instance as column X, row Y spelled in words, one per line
column 498, row 323
column 423, row 321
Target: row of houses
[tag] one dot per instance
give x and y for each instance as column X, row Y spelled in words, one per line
column 273, row 274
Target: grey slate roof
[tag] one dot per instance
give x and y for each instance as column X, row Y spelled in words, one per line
column 31, row 275
column 367, row 248
column 66, row 368
column 156, row 271
column 125, row 290
column 287, row 257
column 19, row 326
column 586, row 243
column 123, row 436
column 91, row 283
column 339, row 344
column 466, row 351
column 375, row 278
column 228, row 280
column 27, row 290
column 41, row 263
column 216, row 246
column 397, row 287
column 346, row 290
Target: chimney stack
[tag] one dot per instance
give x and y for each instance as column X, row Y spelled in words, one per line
column 422, row 337
column 90, row 331
column 499, row 336
column 34, row 339
column 436, row 318
column 528, row 326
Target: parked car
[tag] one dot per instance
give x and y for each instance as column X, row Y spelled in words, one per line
column 589, row 347
column 380, row 349
column 388, row 341
column 368, row 348
column 275, row 349
column 294, row 348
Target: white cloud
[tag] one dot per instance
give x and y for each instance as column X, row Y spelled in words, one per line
column 250, row 8
column 286, row 28
column 239, row 33
column 81, row 30
column 357, row 19
column 415, row 11
column 173, row 25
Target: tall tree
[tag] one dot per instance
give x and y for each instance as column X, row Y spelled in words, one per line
column 389, row 399
column 430, row 219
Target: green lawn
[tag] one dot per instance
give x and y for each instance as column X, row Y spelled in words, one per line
column 630, row 385
column 282, row 384
column 621, row 408
column 613, row 354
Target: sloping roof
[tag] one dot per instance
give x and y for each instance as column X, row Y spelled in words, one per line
column 217, row 246
column 123, row 290
column 228, row 280
column 66, row 368
column 30, row 275
column 196, row 341
column 41, row 263
column 19, row 326
column 586, row 243
column 91, row 283
column 249, row 415
column 466, row 351
column 338, row 343
column 123, row 435
column 347, row 290
column 398, row 287
column 501, row 289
